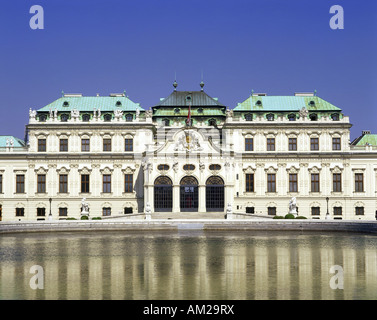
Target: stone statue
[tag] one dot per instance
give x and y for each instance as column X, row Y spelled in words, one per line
column 11, row 142
column 303, row 112
column 51, row 113
column 56, row 113
column 118, row 113
column 148, row 209
column 32, row 114
column 202, row 166
column 137, row 112
column 7, row 143
column 229, row 113
column 293, row 206
column 84, row 207
column 148, row 114
column 75, row 113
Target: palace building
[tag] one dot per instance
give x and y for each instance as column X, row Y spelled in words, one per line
column 188, row 153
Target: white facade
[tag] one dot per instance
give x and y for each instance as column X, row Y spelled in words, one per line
column 260, row 181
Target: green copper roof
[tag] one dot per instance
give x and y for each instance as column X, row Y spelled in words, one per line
column 370, row 139
column 285, row 103
column 17, row 143
column 91, row 103
column 184, row 98
column 183, row 112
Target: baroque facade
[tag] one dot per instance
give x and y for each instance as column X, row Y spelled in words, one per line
column 188, row 153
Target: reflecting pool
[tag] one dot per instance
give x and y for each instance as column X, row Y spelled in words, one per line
column 189, row 265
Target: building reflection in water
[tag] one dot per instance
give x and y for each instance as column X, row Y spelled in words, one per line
column 188, row 265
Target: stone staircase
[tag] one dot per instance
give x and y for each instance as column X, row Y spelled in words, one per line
column 188, row 215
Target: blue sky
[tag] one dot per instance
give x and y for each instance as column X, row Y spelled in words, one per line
column 273, row 46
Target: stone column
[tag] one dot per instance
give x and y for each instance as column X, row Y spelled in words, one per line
column 176, row 198
column 202, row 197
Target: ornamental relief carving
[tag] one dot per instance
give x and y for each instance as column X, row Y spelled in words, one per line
column 41, row 170
column 106, row 170
column 249, row 169
column 314, row 169
column 62, row 170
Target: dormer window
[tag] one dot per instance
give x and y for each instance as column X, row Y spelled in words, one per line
column 292, row 117
column 335, row 116
column 200, row 110
column 212, row 122
column 107, row 117
column 188, row 98
column 129, row 117
column 248, row 117
column 42, row 118
column 177, row 110
column 258, row 103
column 118, row 103
column 166, row 122
column 85, row 117
column 65, row 104
column 312, row 103
column 270, row 117
column 64, row 117
column 313, row 117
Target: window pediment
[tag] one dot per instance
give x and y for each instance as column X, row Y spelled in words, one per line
column 41, row 170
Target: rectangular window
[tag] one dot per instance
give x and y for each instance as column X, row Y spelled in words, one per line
column 293, row 182
column 337, row 211
column 337, row 182
column 359, row 211
column 106, row 144
column 359, row 182
column 85, row 145
column 315, row 182
column 41, row 212
column 271, row 182
column 41, row 145
column 20, row 212
column 20, row 183
column 292, row 144
column 249, row 144
column 85, row 183
column 128, row 210
column 106, row 211
column 128, row 183
column 250, row 210
column 270, row 144
column 106, row 183
column 128, row 144
column 1, row 183
column 63, row 183
column 63, row 212
column 314, row 144
column 41, row 183
column 249, row 182
column 336, row 144
column 63, row 145
column 272, row 211
column 315, row 211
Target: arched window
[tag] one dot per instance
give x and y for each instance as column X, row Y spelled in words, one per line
column 248, row 117
column 129, row 117
column 335, row 116
column 212, row 122
column 214, row 194
column 163, row 194
column 270, row 117
column 292, row 117
column 259, row 103
column 42, row 118
column 85, row 117
column 166, row 122
column 64, row 117
column 313, row 117
column 107, row 117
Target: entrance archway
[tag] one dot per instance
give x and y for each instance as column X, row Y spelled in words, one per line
column 214, row 194
column 189, row 194
column 163, row 194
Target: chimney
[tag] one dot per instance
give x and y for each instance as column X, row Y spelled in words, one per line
column 364, row 132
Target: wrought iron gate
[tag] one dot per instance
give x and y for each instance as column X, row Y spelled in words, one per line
column 215, row 194
column 189, row 194
column 163, row 195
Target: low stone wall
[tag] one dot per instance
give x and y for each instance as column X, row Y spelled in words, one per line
column 206, row 225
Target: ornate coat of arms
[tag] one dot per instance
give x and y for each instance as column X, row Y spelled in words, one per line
column 188, row 142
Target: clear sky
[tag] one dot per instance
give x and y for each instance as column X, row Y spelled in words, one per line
column 272, row 46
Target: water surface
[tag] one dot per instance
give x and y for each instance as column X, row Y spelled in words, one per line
column 188, row 265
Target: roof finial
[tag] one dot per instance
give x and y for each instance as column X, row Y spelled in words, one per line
column 202, row 83
column 62, row 93
column 315, row 92
column 124, row 93
column 252, row 92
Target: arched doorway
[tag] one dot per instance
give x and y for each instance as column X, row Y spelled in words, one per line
column 163, row 194
column 214, row 194
column 189, row 194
